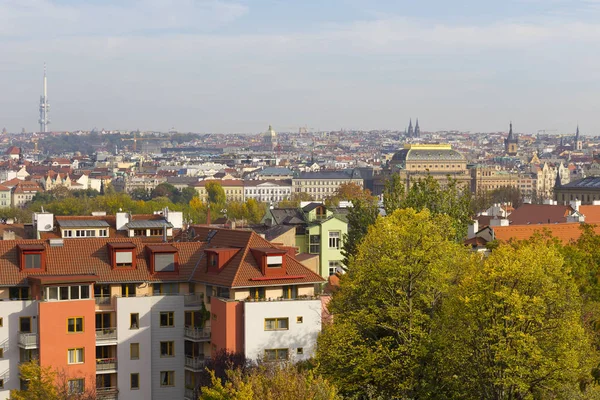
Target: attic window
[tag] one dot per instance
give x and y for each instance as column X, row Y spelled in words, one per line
column 32, row 257
column 164, row 262
column 122, row 255
column 274, row 261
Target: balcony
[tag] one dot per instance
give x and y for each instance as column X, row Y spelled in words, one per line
column 197, row 334
column 193, row 300
column 28, row 340
column 106, row 365
column 195, row 364
column 107, row 393
column 103, row 300
column 190, row 394
column 106, row 335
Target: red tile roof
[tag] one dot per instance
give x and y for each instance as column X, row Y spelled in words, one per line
column 539, row 214
column 242, row 269
column 564, row 232
column 592, row 213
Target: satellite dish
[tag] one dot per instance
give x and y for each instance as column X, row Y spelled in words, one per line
column 48, row 226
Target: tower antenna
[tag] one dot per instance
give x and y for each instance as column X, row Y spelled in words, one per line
column 44, row 105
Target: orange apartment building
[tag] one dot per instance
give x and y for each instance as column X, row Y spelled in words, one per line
column 136, row 318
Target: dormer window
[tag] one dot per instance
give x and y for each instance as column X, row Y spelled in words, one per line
column 271, row 260
column 321, row 212
column 163, row 258
column 32, row 257
column 274, row 261
column 122, row 255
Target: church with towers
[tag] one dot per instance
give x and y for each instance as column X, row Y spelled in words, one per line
column 413, row 132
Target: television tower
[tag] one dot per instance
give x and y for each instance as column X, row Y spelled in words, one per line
column 44, row 105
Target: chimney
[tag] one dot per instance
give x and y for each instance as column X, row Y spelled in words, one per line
column 473, row 228
column 8, row 235
column 575, row 204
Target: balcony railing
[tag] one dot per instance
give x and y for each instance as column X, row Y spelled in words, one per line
column 107, row 393
column 104, row 364
column 190, row 394
column 193, row 299
column 106, row 334
column 193, row 333
column 196, row 363
column 102, row 300
column 28, row 339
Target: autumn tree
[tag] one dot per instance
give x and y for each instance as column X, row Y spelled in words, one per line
column 514, row 330
column 295, row 200
column 348, row 192
column 385, row 309
column 271, row 381
column 48, row 383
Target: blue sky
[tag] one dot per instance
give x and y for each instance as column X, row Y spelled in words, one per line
column 240, row 65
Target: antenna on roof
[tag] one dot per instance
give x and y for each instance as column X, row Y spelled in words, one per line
column 211, row 235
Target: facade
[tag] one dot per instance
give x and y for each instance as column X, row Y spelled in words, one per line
column 268, row 191
column 23, row 193
column 234, row 189
column 323, row 184
column 270, row 139
column 5, row 197
column 488, row 178
column 587, row 190
column 135, row 320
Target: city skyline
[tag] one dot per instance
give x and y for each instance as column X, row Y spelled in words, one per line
column 238, row 66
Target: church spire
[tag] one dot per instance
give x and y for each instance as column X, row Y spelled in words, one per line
column 577, row 135
column 510, row 132
column 410, row 129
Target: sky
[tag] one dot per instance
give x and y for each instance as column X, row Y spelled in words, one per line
column 239, row 65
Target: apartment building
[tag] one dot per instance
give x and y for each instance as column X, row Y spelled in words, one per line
column 234, row 189
column 324, row 184
column 133, row 319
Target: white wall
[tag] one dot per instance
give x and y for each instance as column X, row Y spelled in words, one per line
column 177, row 363
column 298, row 335
column 125, row 306
column 10, row 311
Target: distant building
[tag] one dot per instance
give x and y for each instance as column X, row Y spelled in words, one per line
column 324, row 184
column 413, row 132
column 488, row 178
column 587, row 190
column 511, row 143
column 270, row 139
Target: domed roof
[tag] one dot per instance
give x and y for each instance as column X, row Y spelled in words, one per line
column 270, row 132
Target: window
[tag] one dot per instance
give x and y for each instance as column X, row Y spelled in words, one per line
column 75, row 324
column 167, row 349
column 75, row 356
column 134, row 381
column 165, row 288
column 18, row 293
column 334, row 267
column 167, row 378
column 33, row 260
column 300, row 350
column 76, row 386
column 1, row 352
column 274, row 261
column 335, row 240
column 167, row 318
column 134, row 351
column 276, row 324
column 134, row 321
column 314, row 244
column 290, row 292
column 128, row 290
column 25, row 324
column 299, row 320
column 164, row 262
column 124, row 258
column 276, row 354
column 257, row 293
column 156, row 232
column 1, row 322
column 1, row 383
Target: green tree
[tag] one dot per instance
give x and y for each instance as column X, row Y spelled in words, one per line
column 140, row 194
column 453, row 200
column 295, row 200
column 394, row 192
column 385, row 309
column 271, row 381
column 164, row 190
column 360, row 216
column 514, row 330
column 216, row 194
column 185, row 195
